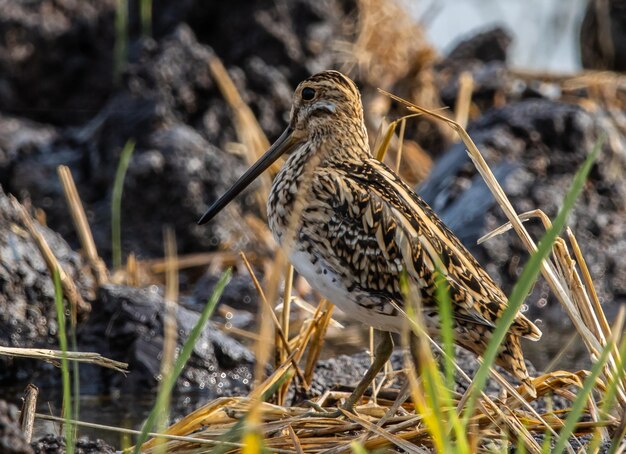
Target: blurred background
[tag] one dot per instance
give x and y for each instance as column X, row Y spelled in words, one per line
column 545, row 33
column 174, row 100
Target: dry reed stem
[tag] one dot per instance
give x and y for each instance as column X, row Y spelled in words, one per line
column 372, row 347
column 277, row 375
column 316, row 434
column 210, row 413
column 132, row 270
column 77, row 304
column 415, row 164
column 277, row 325
column 548, row 269
column 262, row 353
column 400, row 145
column 54, row 356
column 308, row 330
column 464, row 98
column 561, row 353
column 395, row 440
column 604, row 330
column 29, row 409
column 523, row 217
column 573, row 82
column 171, row 302
column 259, row 228
column 487, row 400
column 584, row 296
column 236, row 331
column 226, row 259
column 81, row 225
column 170, row 334
column 283, row 349
column 313, row 433
column 317, row 342
column 296, row 441
column 403, row 395
column 388, row 44
column 248, row 130
column 310, row 309
column 185, row 440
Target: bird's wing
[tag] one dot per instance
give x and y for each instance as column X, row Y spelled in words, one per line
column 385, row 227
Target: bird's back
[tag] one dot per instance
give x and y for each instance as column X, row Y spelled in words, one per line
column 359, row 227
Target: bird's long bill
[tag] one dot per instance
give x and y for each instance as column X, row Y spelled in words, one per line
column 282, row 145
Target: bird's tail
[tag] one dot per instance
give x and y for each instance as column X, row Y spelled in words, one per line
column 511, row 358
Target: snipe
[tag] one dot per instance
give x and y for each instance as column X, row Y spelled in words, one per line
column 350, row 226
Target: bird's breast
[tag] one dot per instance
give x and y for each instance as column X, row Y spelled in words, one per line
column 289, row 194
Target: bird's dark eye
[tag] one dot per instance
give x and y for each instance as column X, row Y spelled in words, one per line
column 308, row 93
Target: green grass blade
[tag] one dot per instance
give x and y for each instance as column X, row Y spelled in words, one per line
column 146, row 18
column 120, row 48
column 65, row 367
column 166, row 390
column 581, row 401
column 446, row 330
column 116, row 203
column 547, row 442
column 357, row 448
column 75, row 378
column 527, row 280
column 444, row 303
column 609, row 397
column 435, row 402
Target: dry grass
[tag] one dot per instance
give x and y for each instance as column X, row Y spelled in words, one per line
column 497, row 420
column 98, row 267
column 54, row 357
column 398, row 419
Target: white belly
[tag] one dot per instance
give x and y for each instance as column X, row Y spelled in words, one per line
column 331, row 287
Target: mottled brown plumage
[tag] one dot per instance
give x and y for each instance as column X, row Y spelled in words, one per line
column 350, row 226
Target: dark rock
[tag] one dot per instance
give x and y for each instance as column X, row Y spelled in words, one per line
column 127, row 325
column 51, row 444
column 18, row 138
column 174, row 171
column 30, row 154
column 603, row 35
column 345, row 371
column 168, row 182
column 296, row 36
column 488, row 80
column 27, row 312
column 169, row 104
column 487, row 46
column 240, row 294
column 56, row 58
column 535, row 147
column 484, row 56
column 12, row 439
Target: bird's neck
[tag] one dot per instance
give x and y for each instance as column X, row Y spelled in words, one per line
column 345, row 142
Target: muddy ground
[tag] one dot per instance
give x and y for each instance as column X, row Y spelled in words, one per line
column 61, row 104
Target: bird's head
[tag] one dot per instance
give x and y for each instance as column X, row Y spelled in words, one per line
column 326, row 106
